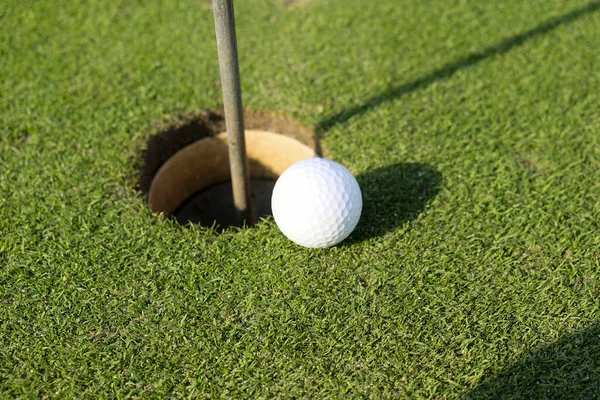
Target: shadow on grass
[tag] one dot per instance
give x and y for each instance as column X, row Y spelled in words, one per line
column 449, row 70
column 393, row 195
column 567, row 369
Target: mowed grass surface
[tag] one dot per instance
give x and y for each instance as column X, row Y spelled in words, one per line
column 473, row 128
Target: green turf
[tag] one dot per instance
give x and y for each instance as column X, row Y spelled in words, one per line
column 473, row 128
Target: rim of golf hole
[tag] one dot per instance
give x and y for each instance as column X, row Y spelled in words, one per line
column 192, row 181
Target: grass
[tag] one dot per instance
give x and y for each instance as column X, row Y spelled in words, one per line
column 471, row 126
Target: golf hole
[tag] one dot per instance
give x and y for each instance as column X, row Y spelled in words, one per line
column 186, row 175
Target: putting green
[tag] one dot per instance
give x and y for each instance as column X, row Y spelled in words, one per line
column 472, row 128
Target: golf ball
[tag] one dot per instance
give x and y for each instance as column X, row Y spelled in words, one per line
column 316, row 202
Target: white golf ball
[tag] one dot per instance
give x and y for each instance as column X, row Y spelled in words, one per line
column 316, row 202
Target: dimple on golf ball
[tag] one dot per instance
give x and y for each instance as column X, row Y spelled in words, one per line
column 316, row 202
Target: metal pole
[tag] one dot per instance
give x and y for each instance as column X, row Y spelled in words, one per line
column 232, row 101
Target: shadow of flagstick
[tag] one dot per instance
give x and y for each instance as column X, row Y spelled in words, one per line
column 449, row 70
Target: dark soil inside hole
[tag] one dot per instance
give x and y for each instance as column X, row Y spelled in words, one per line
column 215, row 204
